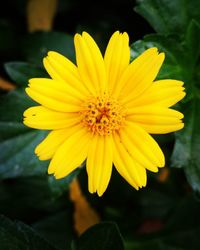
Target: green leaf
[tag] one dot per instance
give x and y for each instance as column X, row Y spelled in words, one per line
column 18, row 236
column 21, row 72
column 179, row 233
column 36, row 46
column 176, row 61
column 192, row 40
column 12, row 106
column 172, row 67
column 103, row 236
column 57, row 229
column 38, row 194
column 17, row 142
column 169, row 17
column 176, row 66
column 61, row 185
column 165, row 16
column 186, row 151
column 17, row 156
column 174, row 241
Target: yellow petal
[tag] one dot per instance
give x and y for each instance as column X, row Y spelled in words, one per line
column 125, row 164
column 70, row 154
column 52, row 102
column 106, row 168
column 98, row 62
column 143, row 78
column 120, row 166
column 156, row 119
column 154, row 110
column 133, row 68
column 99, row 163
column 145, row 144
column 90, row 63
column 140, row 74
column 161, row 129
column 117, row 58
column 143, row 174
column 139, row 150
column 163, row 93
column 56, row 89
column 43, row 118
column 90, row 164
column 46, row 149
column 62, row 69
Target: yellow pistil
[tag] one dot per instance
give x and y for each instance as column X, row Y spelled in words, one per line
column 102, row 115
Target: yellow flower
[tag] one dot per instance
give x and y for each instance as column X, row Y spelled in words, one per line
column 103, row 110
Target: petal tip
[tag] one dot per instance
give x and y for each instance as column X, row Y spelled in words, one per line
column 45, row 61
column 25, row 113
column 84, row 33
column 136, row 188
column 37, row 149
column 57, row 177
column 154, row 50
column 116, row 32
column 162, row 56
column 28, row 91
column 52, row 53
column 100, row 192
column 50, row 171
column 77, row 37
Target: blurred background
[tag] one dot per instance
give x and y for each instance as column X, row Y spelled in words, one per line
column 39, row 212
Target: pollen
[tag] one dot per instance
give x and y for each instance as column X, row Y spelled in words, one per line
column 103, row 115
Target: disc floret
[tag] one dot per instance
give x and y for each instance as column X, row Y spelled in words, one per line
column 103, row 115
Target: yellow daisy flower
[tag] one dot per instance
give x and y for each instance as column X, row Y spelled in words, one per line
column 103, row 110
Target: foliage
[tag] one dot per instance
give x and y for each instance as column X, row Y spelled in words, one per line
column 164, row 215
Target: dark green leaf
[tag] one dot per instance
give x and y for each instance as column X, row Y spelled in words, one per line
column 181, row 65
column 11, row 122
column 165, row 16
column 187, row 147
column 17, row 142
column 174, row 54
column 171, row 242
column 38, row 194
column 57, row 229
column 192, row 41
column 180, row 232
column 58, row 186
column 18, row 236
column 17, row 156
column 12, row 106
column 169, row 17
column 176, row 60
column 21, row 72
column 36, row 46
column 103, row 236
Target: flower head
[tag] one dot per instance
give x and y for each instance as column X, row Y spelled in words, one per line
column 103, row 110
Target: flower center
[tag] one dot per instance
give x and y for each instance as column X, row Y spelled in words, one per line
column 103, row 115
